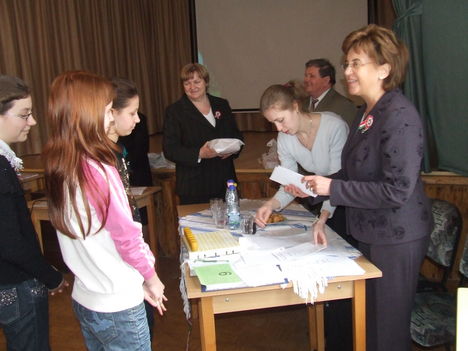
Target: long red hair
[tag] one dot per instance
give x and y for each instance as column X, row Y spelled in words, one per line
column 77, row 103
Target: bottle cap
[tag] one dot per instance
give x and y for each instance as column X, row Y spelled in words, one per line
column 231, row 182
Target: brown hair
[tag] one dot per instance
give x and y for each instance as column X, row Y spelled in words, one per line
column 124, row 91
column 11, row 89
column 188, row 70
column 284, row 96
column 382, row 46
column 76, row 119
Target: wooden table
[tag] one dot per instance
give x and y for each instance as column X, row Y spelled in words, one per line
column 39, row 212
column 234, row 300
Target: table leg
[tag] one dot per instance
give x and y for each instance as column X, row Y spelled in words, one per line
column 316, row 326
column 152, row 231
column 207, row 324
column 359, row 315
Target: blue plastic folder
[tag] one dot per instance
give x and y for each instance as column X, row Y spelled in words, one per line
column 218, row 277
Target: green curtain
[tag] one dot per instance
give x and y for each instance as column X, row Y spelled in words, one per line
column 407, row 26
column 437, row 80
column 445, row 44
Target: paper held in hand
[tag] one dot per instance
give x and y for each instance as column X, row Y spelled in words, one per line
column 225, row 146
column 285, row 176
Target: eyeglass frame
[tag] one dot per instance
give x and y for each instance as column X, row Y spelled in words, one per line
column 354, row 65
column 24, row 117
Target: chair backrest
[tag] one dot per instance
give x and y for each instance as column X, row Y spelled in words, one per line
column 464, row 262
column 445, row 235
column 33, row 162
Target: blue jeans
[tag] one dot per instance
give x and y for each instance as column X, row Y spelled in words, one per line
column 117, row 331
column 24, row 316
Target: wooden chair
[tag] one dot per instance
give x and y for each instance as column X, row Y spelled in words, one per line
column 434, row 313
column 32, row 163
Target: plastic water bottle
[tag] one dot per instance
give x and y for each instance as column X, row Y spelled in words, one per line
column 232, row 205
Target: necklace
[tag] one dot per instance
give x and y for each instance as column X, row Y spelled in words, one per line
column 308, row 137
column 10, row 155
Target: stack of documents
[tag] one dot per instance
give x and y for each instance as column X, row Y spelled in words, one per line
column 280, row 253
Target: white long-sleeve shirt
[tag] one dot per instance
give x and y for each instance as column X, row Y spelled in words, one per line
column 323, row 159
column 110, row 265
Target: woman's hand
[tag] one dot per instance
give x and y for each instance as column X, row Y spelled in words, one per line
column 59, row 289
column 318, row 184
column 154, row 293
column 295, row 191
column 224, row 156
column 318, row 231
column 264, row 212
column 207, row 152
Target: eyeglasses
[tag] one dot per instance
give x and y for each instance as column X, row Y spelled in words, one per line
column 25, row 116
column 355, row 65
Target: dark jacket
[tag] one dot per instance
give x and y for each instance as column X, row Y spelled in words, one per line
column 20, row 256
column 335, row 102
column 380, row 182
column 186, row 130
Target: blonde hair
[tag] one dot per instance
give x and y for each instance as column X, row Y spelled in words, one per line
column 284, row 96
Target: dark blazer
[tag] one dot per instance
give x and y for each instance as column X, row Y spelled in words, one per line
column 185, row 132
column 335, row 102
column 20, row 255
column 379, row 182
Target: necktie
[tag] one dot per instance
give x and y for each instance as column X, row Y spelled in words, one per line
column 314, row 103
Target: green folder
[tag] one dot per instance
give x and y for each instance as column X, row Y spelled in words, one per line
column 218, row 277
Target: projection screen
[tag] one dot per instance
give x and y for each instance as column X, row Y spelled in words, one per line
column 248, row 45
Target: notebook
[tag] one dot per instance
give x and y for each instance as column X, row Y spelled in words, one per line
column 218, row 277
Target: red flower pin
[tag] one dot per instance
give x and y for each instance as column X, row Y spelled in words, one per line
column 366, row 123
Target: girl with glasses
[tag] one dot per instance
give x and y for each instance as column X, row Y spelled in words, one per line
column 25, row 276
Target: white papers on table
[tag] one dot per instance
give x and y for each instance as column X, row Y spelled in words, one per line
column 285, row 176
column 297, row 252
column 259, row 274
column 267, row 242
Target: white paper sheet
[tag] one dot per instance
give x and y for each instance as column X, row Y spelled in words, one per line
column 225, row 146
column 285, row 176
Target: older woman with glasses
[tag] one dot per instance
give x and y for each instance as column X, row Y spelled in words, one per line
column 379, row 184
column 25, row 276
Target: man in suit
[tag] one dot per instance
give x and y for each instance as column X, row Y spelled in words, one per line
column 319, row 79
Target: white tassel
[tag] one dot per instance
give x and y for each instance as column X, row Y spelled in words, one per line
column 183, row 290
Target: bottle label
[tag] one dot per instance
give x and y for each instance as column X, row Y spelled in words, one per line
column 234, row 220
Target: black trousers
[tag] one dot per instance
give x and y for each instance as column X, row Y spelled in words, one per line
column 389, row 300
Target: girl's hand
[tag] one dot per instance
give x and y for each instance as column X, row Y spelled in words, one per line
column 295, row 191
column 264, row 212
column 154, row 293
column 318, row 231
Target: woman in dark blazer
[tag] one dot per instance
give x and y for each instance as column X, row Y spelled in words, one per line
column 380, row 185
column 190, row 123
